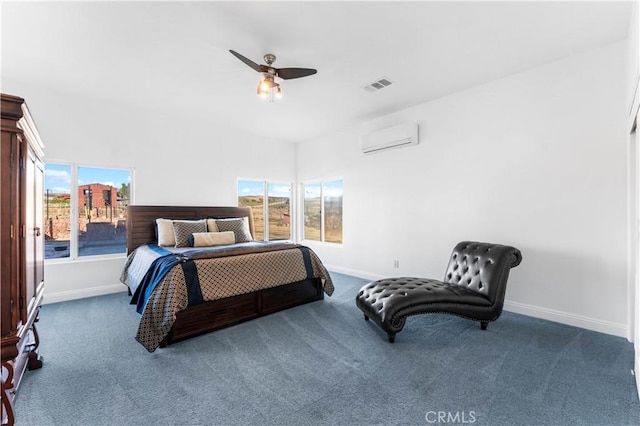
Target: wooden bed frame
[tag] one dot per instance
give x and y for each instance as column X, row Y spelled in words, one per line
column 216, row 314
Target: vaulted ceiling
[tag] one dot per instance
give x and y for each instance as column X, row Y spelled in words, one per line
column 175, row 55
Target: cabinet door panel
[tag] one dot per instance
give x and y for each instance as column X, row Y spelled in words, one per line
column 9, row 230
column 27, row 287
column 34, row 249
column 38, row 219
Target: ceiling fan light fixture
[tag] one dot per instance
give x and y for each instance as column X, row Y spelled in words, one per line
column 267, row 83
column 268, row 88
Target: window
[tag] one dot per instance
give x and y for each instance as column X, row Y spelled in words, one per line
column 332, row 207
column 322, row 209
column 277, row 212
column 85, row 210
column 57, row 210
column 312, row 211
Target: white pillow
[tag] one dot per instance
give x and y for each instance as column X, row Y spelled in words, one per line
column 166, row 234
column 208, row 239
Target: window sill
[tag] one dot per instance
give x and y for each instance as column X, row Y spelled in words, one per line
column 322, row 243
column 93, row 258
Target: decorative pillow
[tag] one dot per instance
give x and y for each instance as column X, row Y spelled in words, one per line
column 211, row 225
column 208, row 239
column 184, row 228
column 239, row 226
column 165, row 233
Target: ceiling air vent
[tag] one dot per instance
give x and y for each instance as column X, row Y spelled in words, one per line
column 380, row 83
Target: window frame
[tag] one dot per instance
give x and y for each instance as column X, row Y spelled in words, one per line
column 265, row 204
column 301, row 220
column 74, row 252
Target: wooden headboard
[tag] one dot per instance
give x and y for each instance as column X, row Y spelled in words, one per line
column 141, row 219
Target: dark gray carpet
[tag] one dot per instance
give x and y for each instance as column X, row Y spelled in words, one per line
column 322, row 364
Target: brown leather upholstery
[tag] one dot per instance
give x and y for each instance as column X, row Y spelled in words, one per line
column 473, row 287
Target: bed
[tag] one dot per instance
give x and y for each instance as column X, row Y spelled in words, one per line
column 184, row 292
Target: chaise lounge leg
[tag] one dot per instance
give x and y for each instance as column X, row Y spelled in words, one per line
column 483, row 325
column 391, row 336
column 366, row 318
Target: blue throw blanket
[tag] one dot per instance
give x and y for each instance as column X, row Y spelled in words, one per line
column 154, row 275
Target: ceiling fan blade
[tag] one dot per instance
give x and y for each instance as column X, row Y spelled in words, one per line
column 289, row 73
column 247, row 61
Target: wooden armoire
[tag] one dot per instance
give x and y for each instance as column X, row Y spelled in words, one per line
column 21, row 246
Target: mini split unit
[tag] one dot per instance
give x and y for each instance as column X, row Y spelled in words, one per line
column 390, row 138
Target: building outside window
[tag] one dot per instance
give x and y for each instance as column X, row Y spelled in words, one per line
column 322, row 211
column 85, row 210
column 276, row 213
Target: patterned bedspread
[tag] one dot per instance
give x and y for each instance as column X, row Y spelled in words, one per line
column 220, row 273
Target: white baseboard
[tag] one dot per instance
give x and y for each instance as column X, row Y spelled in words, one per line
column 354, row 272
column 588, row 323
column 64, row 296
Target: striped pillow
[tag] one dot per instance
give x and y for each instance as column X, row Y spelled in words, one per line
column 184, row 228
column 239, row 226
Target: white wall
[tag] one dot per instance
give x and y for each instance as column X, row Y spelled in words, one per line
column 633, row 99
column 536, row 160
column 177, row 161
column 633, row 61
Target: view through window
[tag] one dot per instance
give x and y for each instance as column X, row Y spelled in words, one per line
column 312, row 211
column 332, row 197
column 322, row 209
column 99, row 226
column 277, row 214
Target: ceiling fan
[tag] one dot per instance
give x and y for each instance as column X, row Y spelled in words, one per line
column 268, row 87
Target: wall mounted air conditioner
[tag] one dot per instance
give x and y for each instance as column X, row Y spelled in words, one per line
column 393, row 137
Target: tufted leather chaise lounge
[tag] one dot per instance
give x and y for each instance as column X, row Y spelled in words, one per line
column 474, row 287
